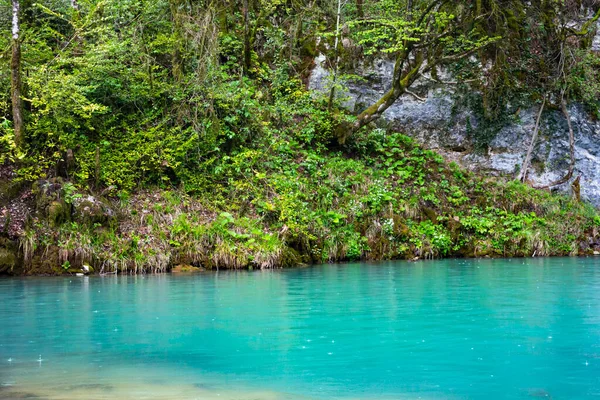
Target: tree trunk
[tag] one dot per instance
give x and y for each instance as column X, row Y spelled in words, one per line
column 335, row 47
column 359, row 9
column 176, row 62
column 97, row 167
column 247, row 42
column 419, row 55
column 15, row 67
column 523, row 174
column 563, row 106
column 401, row 81
column 222, row 9
column 409, row 10
column 569, row 175
column 576, row 186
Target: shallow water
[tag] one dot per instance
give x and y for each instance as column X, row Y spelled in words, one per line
column 453, row 329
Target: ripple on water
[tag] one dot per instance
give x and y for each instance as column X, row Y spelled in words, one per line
column 440, row 330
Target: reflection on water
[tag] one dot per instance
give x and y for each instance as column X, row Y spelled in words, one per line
column 505, row 329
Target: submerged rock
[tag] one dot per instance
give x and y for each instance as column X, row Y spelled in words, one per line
column 20, row 395
column 539, row 393
column 91, row 386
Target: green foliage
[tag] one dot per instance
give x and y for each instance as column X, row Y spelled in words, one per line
column 204, row 162
column 8, row 148
column 584, row 79
column 268, row 207
column 70, row 193
column 393, row 28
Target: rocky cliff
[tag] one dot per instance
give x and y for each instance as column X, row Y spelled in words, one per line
column 442, row 119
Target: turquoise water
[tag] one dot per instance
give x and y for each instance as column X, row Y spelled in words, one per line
column 453, row 329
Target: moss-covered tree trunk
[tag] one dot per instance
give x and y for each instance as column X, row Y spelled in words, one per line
column 404, row 77
column 247, row 59
column 15, row 67
column 336, row 52
column 222, row 9
column 359, row 9
column 426, row 45
column 176, row 62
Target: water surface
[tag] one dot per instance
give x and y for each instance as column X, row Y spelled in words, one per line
column 452, row 329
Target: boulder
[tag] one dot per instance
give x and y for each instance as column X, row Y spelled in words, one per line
column 45, row 192
column 57, row 212
column 89, row 210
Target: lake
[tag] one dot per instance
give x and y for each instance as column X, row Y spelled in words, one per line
column 450, row 329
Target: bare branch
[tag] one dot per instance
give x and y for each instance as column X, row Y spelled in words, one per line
column 569, row 175
column 523, row 174
column 416, row 96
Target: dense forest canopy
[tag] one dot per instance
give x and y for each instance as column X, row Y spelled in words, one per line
column 169, row 86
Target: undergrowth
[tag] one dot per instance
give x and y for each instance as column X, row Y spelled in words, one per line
column 288, row 204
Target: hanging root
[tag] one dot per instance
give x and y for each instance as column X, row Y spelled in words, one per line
column 569, row 175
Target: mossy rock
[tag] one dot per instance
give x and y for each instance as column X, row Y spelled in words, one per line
column 430, row 214
column 57, row 212
column 91, row 210
column 46, row 192
column 400, row 227
column 45, row 264
column 185, row 268
column 309, row 47
column 292, row 258
column 9, row 189
column 454, row 227
column 73, row 270
column 9, row 256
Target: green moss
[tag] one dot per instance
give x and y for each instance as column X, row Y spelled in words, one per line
column 8, row 260
column 57, row 212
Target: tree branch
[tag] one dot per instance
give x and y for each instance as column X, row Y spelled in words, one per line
column 569, row 175
column 416, row 96
column 523, row 174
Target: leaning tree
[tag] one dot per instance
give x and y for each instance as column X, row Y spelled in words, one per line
column 422, row 36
